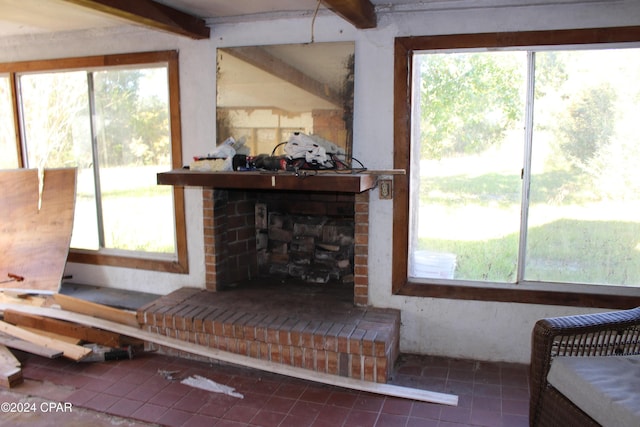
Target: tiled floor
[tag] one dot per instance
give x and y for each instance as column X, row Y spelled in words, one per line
column 490, row 394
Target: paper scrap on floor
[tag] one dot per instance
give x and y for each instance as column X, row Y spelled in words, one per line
column 203, row 383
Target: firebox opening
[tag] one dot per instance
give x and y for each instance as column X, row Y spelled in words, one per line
column 290, row 238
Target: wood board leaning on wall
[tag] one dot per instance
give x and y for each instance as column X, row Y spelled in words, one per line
column 36, row 220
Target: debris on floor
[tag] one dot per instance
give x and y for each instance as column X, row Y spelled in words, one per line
column 203, row 383
column 51, row 337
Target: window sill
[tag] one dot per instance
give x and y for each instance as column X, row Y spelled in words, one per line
column 524, row 296
column 155, row 264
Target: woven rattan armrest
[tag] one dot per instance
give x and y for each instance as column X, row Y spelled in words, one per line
column 602, row 334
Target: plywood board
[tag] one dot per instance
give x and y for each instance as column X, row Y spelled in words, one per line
column 237, row 359
column 35, row 228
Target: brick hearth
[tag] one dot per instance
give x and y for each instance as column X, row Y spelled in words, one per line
column 315, row 327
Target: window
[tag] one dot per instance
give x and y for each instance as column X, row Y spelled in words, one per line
column 521, row 166
column 115, row 119
column 8, row 144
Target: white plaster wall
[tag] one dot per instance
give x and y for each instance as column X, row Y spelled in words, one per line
column 468, row 329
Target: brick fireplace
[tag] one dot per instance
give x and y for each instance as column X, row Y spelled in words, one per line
column 252, row 308
column 234, row 246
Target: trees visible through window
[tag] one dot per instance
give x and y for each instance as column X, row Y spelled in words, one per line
column 114, row 124
column 522, row 165
column 575, row 159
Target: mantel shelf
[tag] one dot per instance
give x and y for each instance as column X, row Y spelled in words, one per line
column 326, row 181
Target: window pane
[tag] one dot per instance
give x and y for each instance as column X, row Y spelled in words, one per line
column 134, row 144
column 56, row 121
column 466, row 187
column 585, row 186
column 8, row 149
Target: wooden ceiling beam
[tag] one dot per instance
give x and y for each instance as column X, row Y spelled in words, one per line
column 150, row 14
column 361, row 13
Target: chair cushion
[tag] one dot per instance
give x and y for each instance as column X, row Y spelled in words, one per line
column 607, row 388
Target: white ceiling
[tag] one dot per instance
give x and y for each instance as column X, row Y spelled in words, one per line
column 46, row 16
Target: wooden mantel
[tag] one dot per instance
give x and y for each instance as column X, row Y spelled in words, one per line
column 342, row 182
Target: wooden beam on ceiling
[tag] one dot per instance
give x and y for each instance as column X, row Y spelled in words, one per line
column 361, row 13
column 150, row 14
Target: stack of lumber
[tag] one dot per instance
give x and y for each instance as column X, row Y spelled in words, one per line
column 51, row 337
column 81, row 317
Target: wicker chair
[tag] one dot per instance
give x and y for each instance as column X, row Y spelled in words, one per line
column 603, row 334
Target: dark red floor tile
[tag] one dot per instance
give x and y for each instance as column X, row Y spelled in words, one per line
column 486, row 418
column 193, row 401
column 487, row 377
column 509, row 420
column 397, row 406
column 421, row 422
column 484, row 403
column 279, row 404
column 461, row 375
column 142, row 392
column 199, row 420
column 426, row 410
column 460, row 387
column 125, row 407
column 100, row 402
column 316, row 394
column 334, row 415
column 488, row 390
column 213, row 409
column 520, row 392
column 359, row 418
column 345, row 399
column 455, row 414
column 241, row 413
column 391, row 420
column 253, row 400
column 515, row 407
column 80, row 397
column 165, row 398
column 264, row 418
column 290, row 390
column 306, row 409
column 174, row 418
column 369, row 402
column 435, row 372
column 120, row 389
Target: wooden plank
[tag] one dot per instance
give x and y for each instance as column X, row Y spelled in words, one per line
column 101, row 311
column 36, row 230
column 29, row 347
column 10, row 368
column 238, row 359
column 52, row 335
column 63, row 328
column 74, row 352
column 327, row 181
column 13, row 298
column 361, row 13
column 7, row 358
column 151, row 14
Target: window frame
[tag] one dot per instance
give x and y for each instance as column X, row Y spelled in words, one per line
column 107, row 257
column 404, row 47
